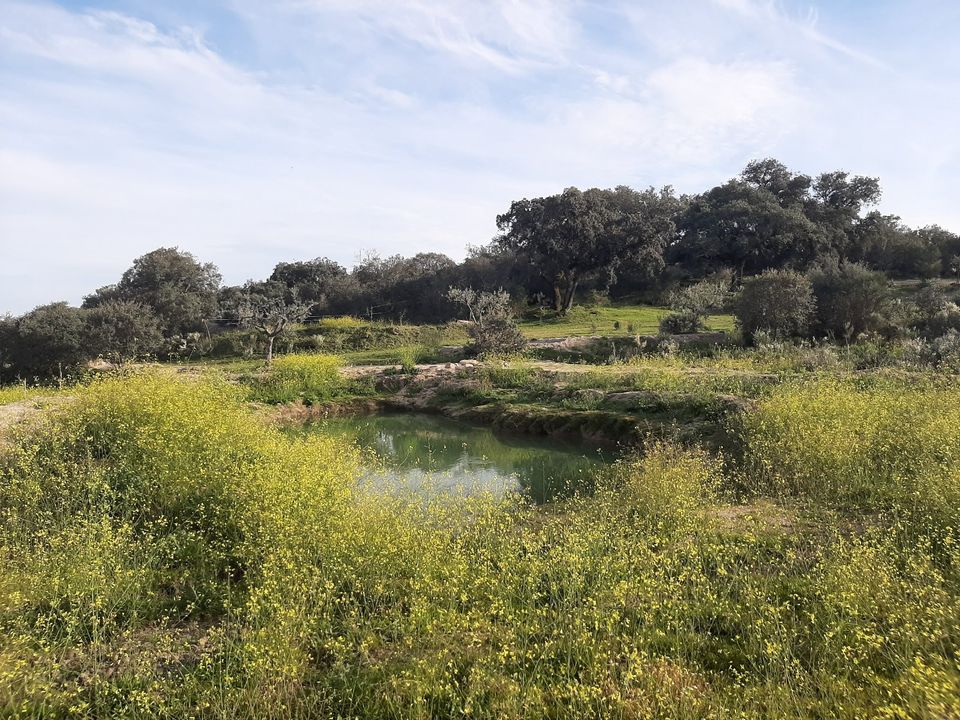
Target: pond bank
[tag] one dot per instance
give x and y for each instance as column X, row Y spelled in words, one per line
column 551, row 406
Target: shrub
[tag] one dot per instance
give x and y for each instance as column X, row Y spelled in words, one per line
column 311, row 378
column 679, row 323
column 884, row 444
column 494, row 331
column 497, row 336
column 850, row 300
column 780, row 302
column 942, row 352
column 122, row 331
column 668, row 487
column 935, row 314
column 47, row 342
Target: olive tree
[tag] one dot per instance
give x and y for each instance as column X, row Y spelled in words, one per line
column 269, row 314
column 493, row 330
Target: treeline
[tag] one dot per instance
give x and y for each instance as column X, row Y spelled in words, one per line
column 615, row 243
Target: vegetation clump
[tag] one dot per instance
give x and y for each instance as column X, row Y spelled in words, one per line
column 165, row 554
column 310, row 378
column 779, row 303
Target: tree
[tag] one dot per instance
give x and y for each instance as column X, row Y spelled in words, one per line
column 493, row 331
column 744, row 226
column 269, row 314
column 321, row 282
column 179, row 289
column 836, row 201
column 46, row 342
column 779, row 302
column 574, row 235
column 885, row 243
column 790, row 189
column 8, row 343
column 851, row 299
column 691, row 304
column 122, row 331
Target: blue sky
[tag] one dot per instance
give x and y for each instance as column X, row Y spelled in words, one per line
column 254, row 131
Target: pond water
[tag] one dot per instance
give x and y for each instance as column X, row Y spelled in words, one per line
column 417, row 450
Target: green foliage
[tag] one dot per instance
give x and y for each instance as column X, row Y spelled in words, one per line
column 311, row 378
column 882, row 444
column 167, row 555
column 850, row 300
column 935, row 314
column 678, row 323
column 121, row 331
column 574, row 235
column 778, row 302
column 180, row 290
column 47, row 342
column 493, row 329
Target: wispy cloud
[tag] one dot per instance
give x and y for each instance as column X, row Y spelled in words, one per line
column 323, row 127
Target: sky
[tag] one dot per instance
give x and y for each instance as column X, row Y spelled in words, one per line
column 250, row 132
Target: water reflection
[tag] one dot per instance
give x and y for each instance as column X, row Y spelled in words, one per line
column 416, row 450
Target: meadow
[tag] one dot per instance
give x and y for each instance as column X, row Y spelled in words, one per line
column 609, row 320
column 165, row 553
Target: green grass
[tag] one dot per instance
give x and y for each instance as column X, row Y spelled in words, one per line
column 166, row 555
column 16, row 393
column 600, row 320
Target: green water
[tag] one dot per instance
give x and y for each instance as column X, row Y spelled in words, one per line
column 430, row 451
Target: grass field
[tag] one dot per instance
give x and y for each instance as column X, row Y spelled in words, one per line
column 165, row 554
column 610, row 320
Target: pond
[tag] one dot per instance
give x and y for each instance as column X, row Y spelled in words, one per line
column 418, row 450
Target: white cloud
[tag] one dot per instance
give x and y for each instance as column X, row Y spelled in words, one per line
column 407, row 126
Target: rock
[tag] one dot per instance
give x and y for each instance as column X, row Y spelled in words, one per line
column 589, row 396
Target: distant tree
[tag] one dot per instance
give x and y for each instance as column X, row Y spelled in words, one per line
column 744, row 226
column 790, row 189
column 180, row 290
column 321, row 282
column 851, row 299
column 47, row 342
column 948, row 243
column 883, row 242
column 837, row 199
column 779, row 302
column 121, row 331
column 576, row 234
column 8, row 344
column 692, row 304
column 770, row 217
column 269, row 314
column 493, row 330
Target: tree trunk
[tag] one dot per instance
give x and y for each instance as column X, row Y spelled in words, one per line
column 568, row 300
column 557, row 296
column 270, row 349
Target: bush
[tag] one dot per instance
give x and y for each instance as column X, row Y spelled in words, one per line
column 935, row 315
column 942, row 352
column 850, row 300
column 498, row 336
column 885, row 444
column 236, row 343
column 122, row 331
column 670, row 488
column 779, row 302
column 679, row 323
column 311, row 378
column 45, row 343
